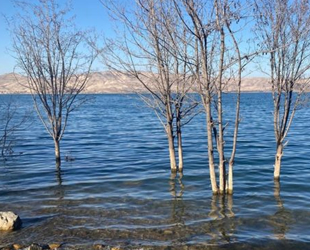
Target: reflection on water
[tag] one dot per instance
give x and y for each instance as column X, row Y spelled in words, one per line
column 58, row 173
column 221, row 207
column 177, row 205
column 222, row 215
column 176, row 185
column 282, row 218
column 59, row 190
column 119, row 191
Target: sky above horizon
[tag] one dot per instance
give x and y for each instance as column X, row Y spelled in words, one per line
column 88, row 16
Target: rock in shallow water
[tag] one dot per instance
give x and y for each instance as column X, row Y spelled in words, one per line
column 9, row 221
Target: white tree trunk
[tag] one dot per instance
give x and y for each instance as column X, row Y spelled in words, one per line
column 57, row 153
column 230, row 186
column 180, row 151
column 222, row 174
column 210, row 151
column 277, row 165
column 173, row 164
column 180, row 147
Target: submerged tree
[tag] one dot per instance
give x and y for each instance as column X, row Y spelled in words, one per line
column 154, row 50
column 218, row 64
column 51, row 52
column 283, row 29
column 190, row 40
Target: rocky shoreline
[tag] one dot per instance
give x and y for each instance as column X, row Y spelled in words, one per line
column 56, row 246
column 59, row 246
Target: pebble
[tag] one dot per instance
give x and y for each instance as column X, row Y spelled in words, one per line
column 99, row 247
column 17, row 246
column 168, row 232
column 54, row 246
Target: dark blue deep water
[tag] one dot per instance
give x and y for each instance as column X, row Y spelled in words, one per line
column 119, row 190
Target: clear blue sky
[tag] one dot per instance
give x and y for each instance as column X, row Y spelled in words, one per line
column 89, row 14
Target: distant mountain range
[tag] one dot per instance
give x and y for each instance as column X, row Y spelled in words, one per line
column 108, row 82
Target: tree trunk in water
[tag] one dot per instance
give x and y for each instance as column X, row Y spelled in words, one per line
column 230, row 186
column 173, row 164
column 57, row 154
column 211, row 165
column 180, row 151
column 222, row 176
column 277, row 165
column 210, row 148
column 180, row 147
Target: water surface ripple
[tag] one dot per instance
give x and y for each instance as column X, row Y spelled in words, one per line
column 119, row 190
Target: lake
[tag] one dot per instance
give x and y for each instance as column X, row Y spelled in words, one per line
column 119, row 190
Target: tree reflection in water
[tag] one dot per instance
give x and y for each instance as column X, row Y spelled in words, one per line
column 60, row 189
column 283, row 217
column 222, row 221
column 176, row 191
column 200, row 222
column 176, row 185
column 58, row 174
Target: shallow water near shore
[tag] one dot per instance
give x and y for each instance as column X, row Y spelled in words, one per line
column 119, row 191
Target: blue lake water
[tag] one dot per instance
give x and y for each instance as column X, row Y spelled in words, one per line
column 119, row 190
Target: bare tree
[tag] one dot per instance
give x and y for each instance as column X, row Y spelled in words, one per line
column 283, row 29
column 50, row 51
column 11, row 120
column 153, row 49
column 218, row 63
column 193, row 40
